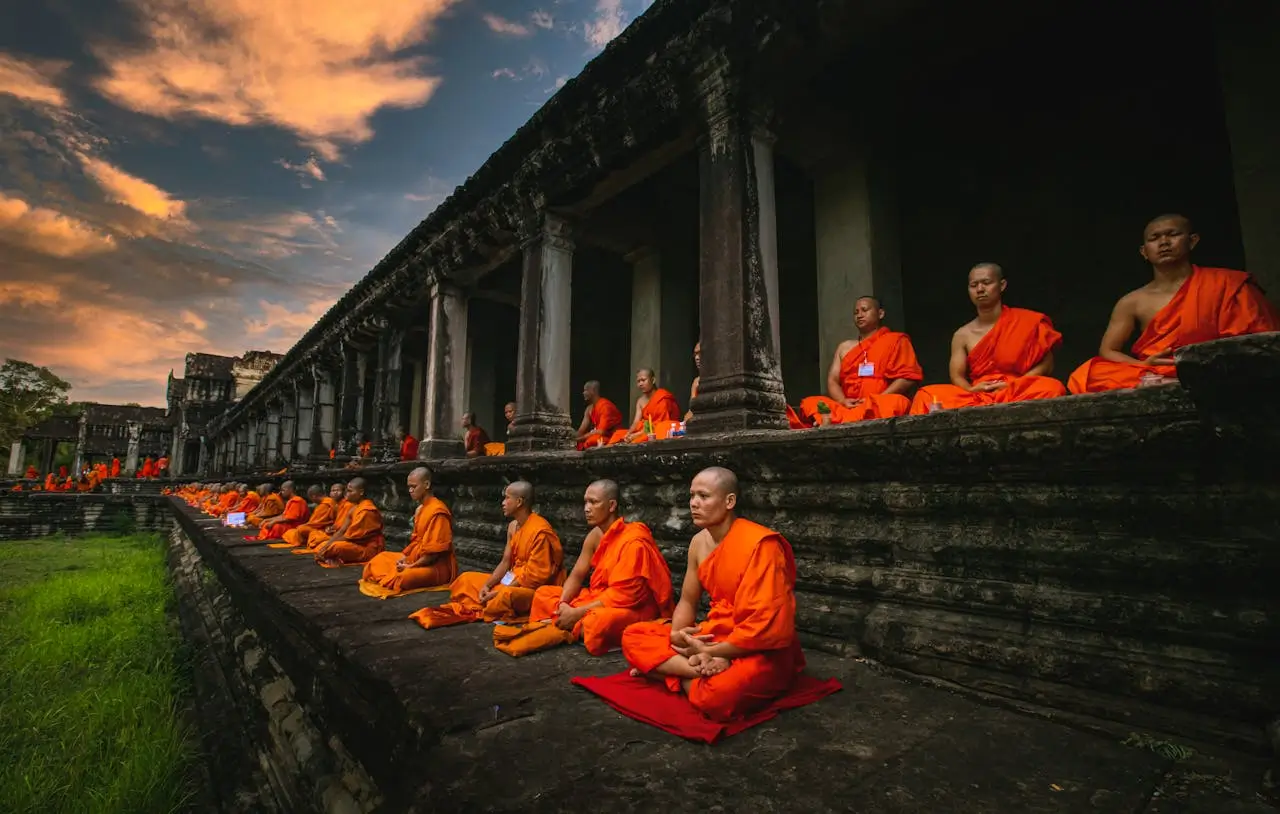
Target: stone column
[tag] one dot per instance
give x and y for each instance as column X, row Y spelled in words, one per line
column 1248, row 58
column 349, row 399
column 417, row 397
column 202, row 463
column 857, row 248
column 305, row 422
column 288, row 422
column 392, row 409
column 17, row 453
column 542, row 378
column 741, row 384
column 326, row 411
column 251, row 440
column 646, row 309
column 82, row 437
column 134, row 430
column 364, row 400
column 446, row 372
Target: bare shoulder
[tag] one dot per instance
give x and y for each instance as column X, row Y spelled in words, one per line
column 700, row 546
column 511, row 529
column 844, row 347
column 590, row 542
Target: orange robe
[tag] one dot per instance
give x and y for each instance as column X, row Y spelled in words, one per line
column 537, row 559
column 660, row 412
column 865, row 373
column 321, row 517
column 628, row 574
column 1018, row 341
column 230, row 502
column 409, row 448
column 432, row 534
column 363, row 539
column 313, row 540
column 750, row 577
column 1212, row 303
column 50, row 485
column 295, row 511
column 476, row 439
column 32, row 473
column 605, row 417
column 115, row 467
column 271, row 506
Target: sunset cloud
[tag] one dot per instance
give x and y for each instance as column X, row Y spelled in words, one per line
column 133, row 192
column 30, row 81
column 49, row 232
column 509, row 28
column 318, row 68
column 307, row 169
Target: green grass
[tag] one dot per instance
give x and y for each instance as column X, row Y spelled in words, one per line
column 91, row 679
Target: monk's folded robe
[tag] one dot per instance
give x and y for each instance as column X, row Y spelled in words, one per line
column 232, row 501
column 295, row 512
column 271, row 506
column 362, row 541
column 1212, row 303
column 750, row 578
column 865, row 372
column 537, row 559
column 628, row 574
column 659, row 413
column 1018, row 341
column 605, row 417
column 312, row 540
column 31, row 473
column 495, row 448
column 432, row 534
column 321, row 516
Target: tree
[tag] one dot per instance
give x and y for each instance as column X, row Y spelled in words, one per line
column 28, row 395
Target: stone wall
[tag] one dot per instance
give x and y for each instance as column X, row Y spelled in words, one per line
column 28, row 515
column 1111, row 555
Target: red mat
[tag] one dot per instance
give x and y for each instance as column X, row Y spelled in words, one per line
column 652, row 703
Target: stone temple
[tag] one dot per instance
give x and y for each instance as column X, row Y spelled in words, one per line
column 739, row 172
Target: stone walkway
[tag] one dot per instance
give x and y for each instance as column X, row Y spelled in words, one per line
column 501, row 734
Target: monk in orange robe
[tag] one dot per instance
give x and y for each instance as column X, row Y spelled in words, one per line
column 320, row 517
column 329, row 518
column 599, row 420
column 115, row 467
column 532, row 558
column 745, row 653
column 1004, row 355
column 162, row 466
column 629, row 583
column 656, row 411
column 272, row 505
column 1182, row 305
column 509, row 413
column 476, row 439
column 427, row 562
column 408, row 445
column 293, row 515
column 362, row 539
column 869, row 377
column 32, row 473
column 231, row 500
column 50, row 485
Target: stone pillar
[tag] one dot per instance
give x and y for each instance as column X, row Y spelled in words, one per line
column 251, row 440
column 741, row 384
column 646, row 309
column 305, row 395
column 326, row 410
column 857, row 249
column 1248, row 39
column 364, row 400
column 202, row 463
column 349, row 399
column 417, row 396
column 543, row 390
column 17, row 453
column 446, row 372
column 82, row 437
column 390, row 416
column 288, row 422
column 134, row 429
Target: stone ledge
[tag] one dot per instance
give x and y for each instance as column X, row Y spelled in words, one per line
column 29, row 515
column 441, row 722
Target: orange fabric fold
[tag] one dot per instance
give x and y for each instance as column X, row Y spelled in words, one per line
column 537, row 559
column 628, row 574
column 605, row 417
column 363, row 539
column 312, row 540
column 271, row 506
column 660, row 411
column 432, row 534
column 883, row 356
column 1018, row 341
column 1213, row 303
column 750, row 577
column 295, row 511
column 321, row 516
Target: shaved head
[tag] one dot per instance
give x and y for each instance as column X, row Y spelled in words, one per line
column 264, row 488
column 647, row 371
column 420, row 475
column 868, row 298
column 725, row 482
column 315, row 491
column 356, row 485
column 1182, row 220
column 523, row 490
column 994, row 268
column 608, row 488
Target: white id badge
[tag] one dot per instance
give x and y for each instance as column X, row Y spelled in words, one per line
column 867, row 369
column 509, row 578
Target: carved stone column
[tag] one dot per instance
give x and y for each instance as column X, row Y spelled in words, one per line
column 16, row 454
column 242, row 452
column 252, row 442
column 741, row 384
column 446, row 372
column 349, row 398
column 326, row 415
column 304, row 395
column 134, row 430
column 288, row 421
column 542, row 378
column 391, row 417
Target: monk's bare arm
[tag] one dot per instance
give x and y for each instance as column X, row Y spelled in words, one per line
column 835, row 388
column 505, row 564
column 686, row 611
column 1124, row 319
column 586, row 426
column 581, row 568
column 1042, row 368
column 958, row 366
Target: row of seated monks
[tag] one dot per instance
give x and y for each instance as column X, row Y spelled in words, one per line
column 1005, row 354
column 91, row 475
column 740, row 657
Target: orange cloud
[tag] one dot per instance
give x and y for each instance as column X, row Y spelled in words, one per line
column 510, row 28
column 283, row 325
column 133, row 192
column 48, row 232
column 28, row 81
column 318, row 68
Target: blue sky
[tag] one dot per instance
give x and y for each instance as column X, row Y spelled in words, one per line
column 210, row 175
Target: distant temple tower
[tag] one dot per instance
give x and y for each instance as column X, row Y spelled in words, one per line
column 209, row 386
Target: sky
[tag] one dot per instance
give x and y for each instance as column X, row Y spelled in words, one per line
column 210, row 176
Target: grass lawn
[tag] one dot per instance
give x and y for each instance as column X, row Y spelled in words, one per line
column 90, row 678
